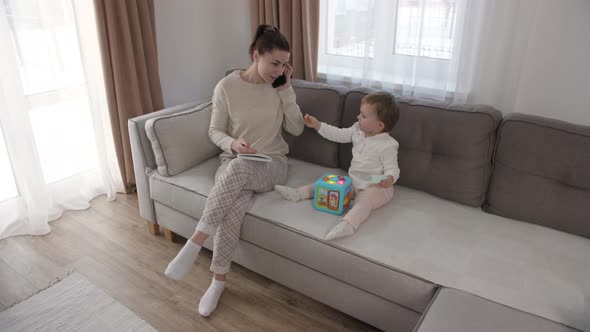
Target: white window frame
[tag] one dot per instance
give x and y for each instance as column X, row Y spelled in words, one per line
column 351, row 68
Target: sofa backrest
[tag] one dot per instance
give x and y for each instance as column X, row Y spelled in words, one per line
column 323, row 101
column 444, row 149
column 542, row 173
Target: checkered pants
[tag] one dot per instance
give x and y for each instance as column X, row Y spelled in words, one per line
column 236, row 181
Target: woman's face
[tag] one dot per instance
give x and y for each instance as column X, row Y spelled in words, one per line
column 271, row 65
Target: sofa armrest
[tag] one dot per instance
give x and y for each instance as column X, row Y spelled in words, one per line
column 143, row 157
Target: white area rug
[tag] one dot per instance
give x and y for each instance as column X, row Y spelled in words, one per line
column 73, row 304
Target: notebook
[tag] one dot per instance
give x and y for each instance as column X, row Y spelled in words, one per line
column 255, row 157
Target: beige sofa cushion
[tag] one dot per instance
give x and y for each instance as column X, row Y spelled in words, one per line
column 180, row 141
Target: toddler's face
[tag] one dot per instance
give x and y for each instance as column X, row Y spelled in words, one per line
column 368, row 121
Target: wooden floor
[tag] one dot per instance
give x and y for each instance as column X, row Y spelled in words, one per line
column 109, row 244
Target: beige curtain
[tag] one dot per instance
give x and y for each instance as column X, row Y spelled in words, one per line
column 299, row 21
column 127, row 36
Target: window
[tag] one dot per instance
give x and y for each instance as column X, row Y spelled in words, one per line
column 425, row 28
column 53, row 114
column 343, row 36
column 46, row 44
column 422, row 27
column 52, row 75
column 402, row 45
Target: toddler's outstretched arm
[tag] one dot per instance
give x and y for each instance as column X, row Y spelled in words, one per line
column 334, row 134
column 311, row 122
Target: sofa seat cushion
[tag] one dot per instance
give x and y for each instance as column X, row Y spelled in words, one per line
column 525, row 266
column 454, row 311
column 186, row 192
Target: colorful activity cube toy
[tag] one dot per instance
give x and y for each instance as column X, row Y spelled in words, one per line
column 332, row 193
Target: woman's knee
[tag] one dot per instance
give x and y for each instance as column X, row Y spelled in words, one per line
column 239, row 167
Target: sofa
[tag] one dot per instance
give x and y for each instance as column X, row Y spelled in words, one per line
column 490, row 216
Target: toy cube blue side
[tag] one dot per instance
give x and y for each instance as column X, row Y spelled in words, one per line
column 332, row 193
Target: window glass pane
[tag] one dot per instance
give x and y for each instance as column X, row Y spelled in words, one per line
column 344, row 35
column 64, row 134
column 425, row 28
column 45, row 38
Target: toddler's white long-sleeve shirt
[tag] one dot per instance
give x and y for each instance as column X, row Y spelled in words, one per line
column 374, row 155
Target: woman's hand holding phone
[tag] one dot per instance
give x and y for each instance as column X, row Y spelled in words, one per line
column 286, row 76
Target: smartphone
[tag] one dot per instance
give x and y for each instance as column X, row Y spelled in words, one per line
column 279, row 81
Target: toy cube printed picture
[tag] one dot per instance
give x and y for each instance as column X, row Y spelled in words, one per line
column 332, row 193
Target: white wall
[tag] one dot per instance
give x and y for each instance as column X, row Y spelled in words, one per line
column 198, row 40
column 555, row 77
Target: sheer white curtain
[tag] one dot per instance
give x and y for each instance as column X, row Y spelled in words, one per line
column 56, row 148
column 438, row 49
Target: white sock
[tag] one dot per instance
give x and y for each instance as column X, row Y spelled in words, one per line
column 209, row 300
column 341, row 230
column 182, row 264
column 289, row 193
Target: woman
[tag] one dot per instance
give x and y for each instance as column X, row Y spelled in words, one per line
column 248, row 117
